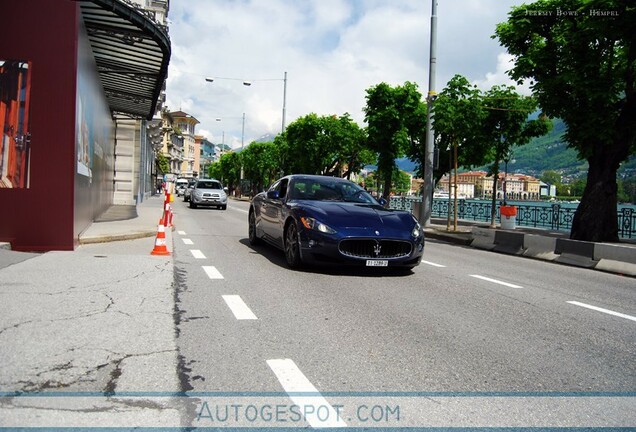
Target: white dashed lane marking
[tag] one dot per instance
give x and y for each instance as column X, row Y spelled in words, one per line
column 187, row 241
column 606, row 311
column 432, row 264
column 295, row 383
column 197, row 254
column 212, row 272
column 238, row 307
column 509, row 285
column 181, row 232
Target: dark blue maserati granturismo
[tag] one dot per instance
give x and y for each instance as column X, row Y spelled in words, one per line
column 318, row 219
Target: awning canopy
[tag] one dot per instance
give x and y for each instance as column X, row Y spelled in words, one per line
column 132, row 53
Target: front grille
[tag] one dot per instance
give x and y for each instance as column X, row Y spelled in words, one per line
column 375, row 248
column 211, row 195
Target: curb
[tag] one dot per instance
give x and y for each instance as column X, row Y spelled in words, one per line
column 4, row 245
column 117, row 237
column 449, row 237
column 613, row 258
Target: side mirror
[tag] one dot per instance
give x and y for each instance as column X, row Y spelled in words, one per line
column 273, row 194
column 225, row 189
column 382, row 202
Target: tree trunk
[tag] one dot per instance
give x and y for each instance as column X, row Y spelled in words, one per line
column 595, row 219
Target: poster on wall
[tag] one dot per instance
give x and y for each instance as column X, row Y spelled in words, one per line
column 15, row 141
column 84, row 140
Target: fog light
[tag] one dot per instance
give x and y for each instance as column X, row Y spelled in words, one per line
column 312, row 243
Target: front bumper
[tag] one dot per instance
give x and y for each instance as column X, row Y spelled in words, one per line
column 319, row 248
column 208, row 201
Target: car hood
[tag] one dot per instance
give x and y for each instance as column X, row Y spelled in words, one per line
column 360, row 219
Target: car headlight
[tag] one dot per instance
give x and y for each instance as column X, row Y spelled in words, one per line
column 313, row 224
column 417, row 229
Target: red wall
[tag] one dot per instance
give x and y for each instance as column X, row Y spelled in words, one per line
column 45, row 33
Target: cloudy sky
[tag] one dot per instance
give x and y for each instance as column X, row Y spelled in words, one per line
column 332, row 51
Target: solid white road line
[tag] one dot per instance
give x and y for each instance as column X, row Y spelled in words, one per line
column 212, row 272
column 496, row 281
column 197, row 254
column 432, row 264
column 318, row 412
column 238, row 307
column 181, row 232
column 187, row 241
column 598, row 309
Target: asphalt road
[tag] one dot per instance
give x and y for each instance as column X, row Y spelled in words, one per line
column 465, row 320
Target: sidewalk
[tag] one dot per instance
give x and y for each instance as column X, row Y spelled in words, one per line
column 99, row 319
column 143, row 225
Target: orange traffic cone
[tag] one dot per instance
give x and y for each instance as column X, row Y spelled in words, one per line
column 160, row 241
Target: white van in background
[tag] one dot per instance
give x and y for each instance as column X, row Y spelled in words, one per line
column 180, row 185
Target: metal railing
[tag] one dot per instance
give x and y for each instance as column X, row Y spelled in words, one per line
column 551, row 216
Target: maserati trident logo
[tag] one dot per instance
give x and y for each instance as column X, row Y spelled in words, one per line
column 376, row 249
column 377, row 233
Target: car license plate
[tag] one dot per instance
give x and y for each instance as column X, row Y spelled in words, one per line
column 377, row 263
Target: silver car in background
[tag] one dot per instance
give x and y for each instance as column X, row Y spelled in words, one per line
column 188, row 190
column 208, row 192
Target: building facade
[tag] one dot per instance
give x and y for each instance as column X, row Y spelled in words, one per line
column 184, row 126
column 207, row 154
column 70, row 89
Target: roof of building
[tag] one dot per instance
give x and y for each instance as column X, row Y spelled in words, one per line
column 181, row 114
column 132, row 52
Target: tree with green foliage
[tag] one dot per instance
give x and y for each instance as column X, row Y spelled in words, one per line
column 163, row 166
column 457, row 118
column 506, row 125
column 401, row 182
column 260, row 164
column 396, row 119
column 551, row 177
column 227, row 169
column 328, row 145
column 627, row 190
column 582, row 69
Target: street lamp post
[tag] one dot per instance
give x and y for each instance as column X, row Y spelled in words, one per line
column 427, row 188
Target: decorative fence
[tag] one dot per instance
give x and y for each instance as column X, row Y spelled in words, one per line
column 556, row 217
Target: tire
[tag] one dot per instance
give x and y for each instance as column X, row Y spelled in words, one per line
column 253, row 238
column 224, row 207
column 292, row 246
column 192, row 205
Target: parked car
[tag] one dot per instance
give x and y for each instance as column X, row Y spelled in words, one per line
column 208, row 192
column 318, row 219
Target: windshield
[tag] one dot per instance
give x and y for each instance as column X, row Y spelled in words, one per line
column 330, row 189
column 209, row 185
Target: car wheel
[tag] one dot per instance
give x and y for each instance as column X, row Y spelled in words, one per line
column 253, row 238
column 192, row 205
column 224, row 207
column 292, row 247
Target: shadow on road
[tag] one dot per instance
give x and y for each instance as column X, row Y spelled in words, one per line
column 277, row 257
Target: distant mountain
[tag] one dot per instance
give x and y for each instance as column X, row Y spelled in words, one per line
column 547, row 153
column 265, row 138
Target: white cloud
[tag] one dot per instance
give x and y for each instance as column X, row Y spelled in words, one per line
column 333, row 50
column 505, row 63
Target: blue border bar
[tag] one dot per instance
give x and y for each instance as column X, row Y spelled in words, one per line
column 309, row 394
